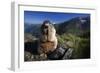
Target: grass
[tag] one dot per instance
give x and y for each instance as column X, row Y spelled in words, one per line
column 80, row 45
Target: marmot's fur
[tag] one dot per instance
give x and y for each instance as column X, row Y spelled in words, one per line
column 48, row 39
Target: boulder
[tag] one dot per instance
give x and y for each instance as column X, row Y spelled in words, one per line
column 61, row 53
column 68, row 54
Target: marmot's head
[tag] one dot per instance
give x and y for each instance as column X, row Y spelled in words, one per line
column 45, row 27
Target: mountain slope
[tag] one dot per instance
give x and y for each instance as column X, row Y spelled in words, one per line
column 76, row 25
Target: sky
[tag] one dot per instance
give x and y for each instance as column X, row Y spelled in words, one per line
column 34, row 17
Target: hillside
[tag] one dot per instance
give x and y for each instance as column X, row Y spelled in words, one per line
column 78, row 25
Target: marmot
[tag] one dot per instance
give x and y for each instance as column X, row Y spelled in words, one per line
column 48, row 40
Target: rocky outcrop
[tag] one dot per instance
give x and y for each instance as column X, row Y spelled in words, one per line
column 60, row 53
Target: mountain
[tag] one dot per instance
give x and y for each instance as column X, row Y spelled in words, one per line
column 76, row 25
column 32, row 29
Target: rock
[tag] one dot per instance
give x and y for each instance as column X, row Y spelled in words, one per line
column 34, row 57
column 68, row 54
column 58, row 54
column 61, row 53
column 27, row 56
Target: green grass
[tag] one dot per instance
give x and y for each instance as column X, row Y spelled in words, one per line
column 80, row 45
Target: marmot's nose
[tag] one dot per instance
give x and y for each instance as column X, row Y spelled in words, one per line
column 45, row 26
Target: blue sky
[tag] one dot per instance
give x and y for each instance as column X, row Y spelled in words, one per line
column 34, row 17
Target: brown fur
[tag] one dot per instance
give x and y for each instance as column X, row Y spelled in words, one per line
column 47, row 47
